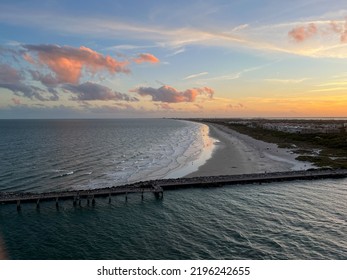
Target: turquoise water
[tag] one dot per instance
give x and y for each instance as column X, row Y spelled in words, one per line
column 296, row 220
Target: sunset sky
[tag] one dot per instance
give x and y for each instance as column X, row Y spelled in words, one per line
column 120, row 59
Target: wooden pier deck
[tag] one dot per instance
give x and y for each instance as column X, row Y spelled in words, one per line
column 157, row 187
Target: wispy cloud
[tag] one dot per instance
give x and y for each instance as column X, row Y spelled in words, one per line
column 163, row 36
column 236, row 75
column 287, row 81
column 302, row 33
column 240, row 27
column 129, row 47
column 289, row 37
column 306, row 31
column 336, row 83
column 178, row 51
column 329, row 89
column 195, row 75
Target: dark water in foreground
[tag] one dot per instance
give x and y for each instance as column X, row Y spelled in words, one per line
column 294, row 220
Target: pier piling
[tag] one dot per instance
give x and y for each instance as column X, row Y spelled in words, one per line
column 109, row 198
column 93, row 200
column 18, row 205
column 159, row 195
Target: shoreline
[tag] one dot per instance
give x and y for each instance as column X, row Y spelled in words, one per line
column 191, row 162
column 237, row 153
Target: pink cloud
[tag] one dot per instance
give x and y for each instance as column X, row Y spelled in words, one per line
column 302, row 33
column 146, row 57
column 171, row 95
column 67, row 63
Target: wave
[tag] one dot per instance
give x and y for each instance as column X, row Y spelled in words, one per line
column 123, row 154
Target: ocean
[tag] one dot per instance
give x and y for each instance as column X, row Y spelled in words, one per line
column 51, row 155
column 288, row 220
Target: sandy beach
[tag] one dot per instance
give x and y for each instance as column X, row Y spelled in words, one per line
column 236, row 153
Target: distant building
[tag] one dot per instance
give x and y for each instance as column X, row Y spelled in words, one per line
column 300, row 127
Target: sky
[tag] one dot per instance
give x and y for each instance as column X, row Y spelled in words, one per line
column 139, row 59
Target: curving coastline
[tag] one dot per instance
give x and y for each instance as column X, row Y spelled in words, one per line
column 238, row 153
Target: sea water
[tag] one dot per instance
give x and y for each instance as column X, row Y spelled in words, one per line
column 54, row 155
column 287, row 220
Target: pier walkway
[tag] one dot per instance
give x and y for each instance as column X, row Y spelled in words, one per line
column 157, row 187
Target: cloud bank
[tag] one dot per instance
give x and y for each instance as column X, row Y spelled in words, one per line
column 171, row 95
column 12, row 80
column 60, row 69
column 68, row 62
column 90, row 91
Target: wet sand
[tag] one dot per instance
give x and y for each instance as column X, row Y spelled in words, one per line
column 236, row 153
